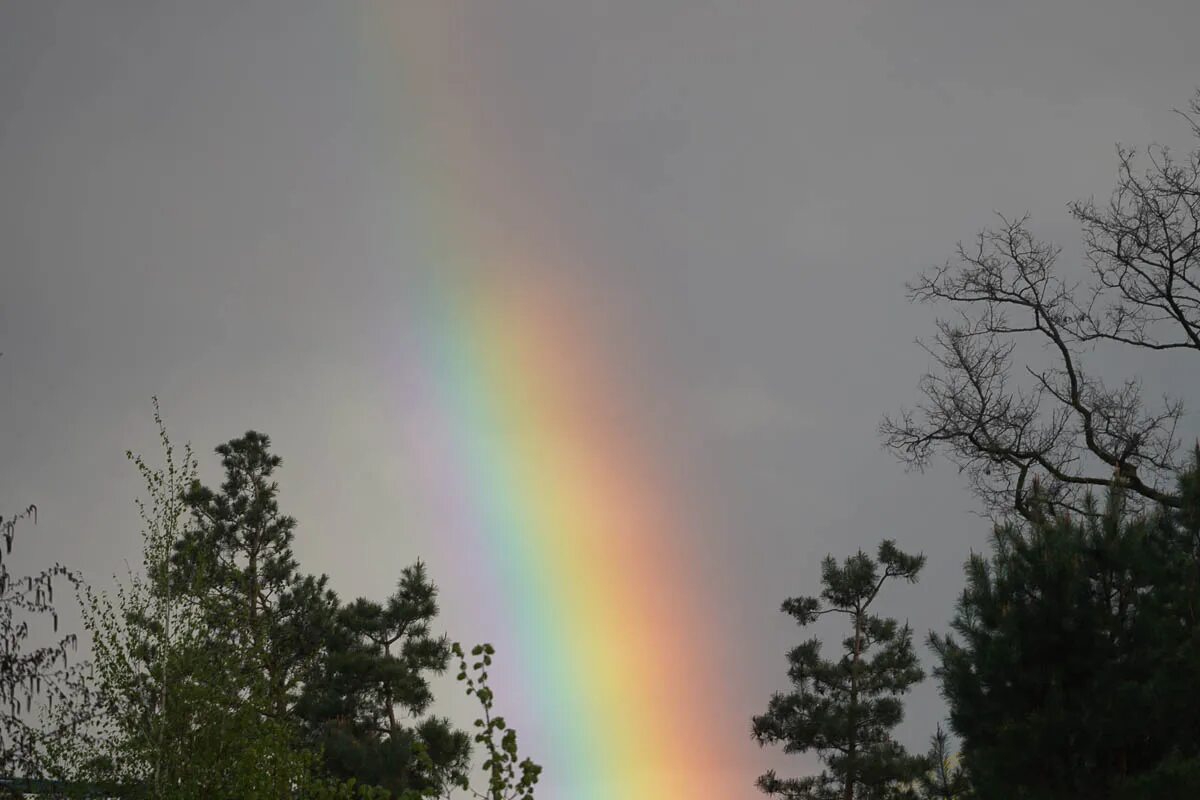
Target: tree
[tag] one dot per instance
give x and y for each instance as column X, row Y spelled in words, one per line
column 29, row 673
column 376, row 668
column 338, row 674
column 1072, row 668
column 845, row 710
column 254, row 597
column 945, row 778
column 1012, row 422
column 510, row 777
column 171, row 718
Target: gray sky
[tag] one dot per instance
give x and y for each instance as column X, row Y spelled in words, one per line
column 205, row 202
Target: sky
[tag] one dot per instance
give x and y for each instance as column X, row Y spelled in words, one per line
column 229, row 205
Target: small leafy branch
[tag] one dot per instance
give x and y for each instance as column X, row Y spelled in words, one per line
column 503, row 762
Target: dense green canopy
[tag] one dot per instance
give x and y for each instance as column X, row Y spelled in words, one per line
column 1073, row 666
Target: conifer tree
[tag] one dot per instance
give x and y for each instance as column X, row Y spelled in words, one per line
column 372, row 681
column 342, row 675
column 171, row 720
column 1072, row 668
column 255, row 597
column 945, row 779
column 845, row 710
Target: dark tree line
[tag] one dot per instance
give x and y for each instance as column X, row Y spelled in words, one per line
column 1070, row 671
column 222, row 670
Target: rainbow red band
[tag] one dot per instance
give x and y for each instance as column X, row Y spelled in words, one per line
column 528, row 455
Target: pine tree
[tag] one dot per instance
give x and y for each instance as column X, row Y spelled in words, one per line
column 1072, row 669
column 845, row 710
column 170, row 713
column 339, row 674
column 945, row 779
column 374, row 677
column 256, row 599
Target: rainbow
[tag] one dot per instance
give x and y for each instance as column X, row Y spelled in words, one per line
column 531, row 459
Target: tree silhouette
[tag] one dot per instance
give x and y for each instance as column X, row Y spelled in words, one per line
column 845, row 710
column 1012, row 420
column 373, row 678
column 1075, row 650
column 31, row 673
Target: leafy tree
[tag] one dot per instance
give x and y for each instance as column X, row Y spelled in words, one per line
column 339, row 674
column 510, row 777
column 1009, row 421
column 845, row 710
column 351, row 789
column 1072, row 668
column 172, row 719
column 373, row 676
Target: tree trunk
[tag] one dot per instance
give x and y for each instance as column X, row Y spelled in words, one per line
column 851, row 750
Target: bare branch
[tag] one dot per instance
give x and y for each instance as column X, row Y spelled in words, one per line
column 1010, row 398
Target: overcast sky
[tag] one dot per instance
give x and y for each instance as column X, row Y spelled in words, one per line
column 202, row 201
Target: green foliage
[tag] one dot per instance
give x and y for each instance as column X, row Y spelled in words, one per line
column 351, row 789
column 173, row 712
column 945, row 778
column 377, row 661
column 222, row 672
column 1072, row 669
column 509, row 776
column 254, row 598
column 845, row 710
column 336, row 675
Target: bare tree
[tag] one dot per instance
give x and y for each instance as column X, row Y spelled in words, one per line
column 1018, row 422
column 29, row 673
column 36, row 670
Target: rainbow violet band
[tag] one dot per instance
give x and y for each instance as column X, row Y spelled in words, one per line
column 529, row 459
